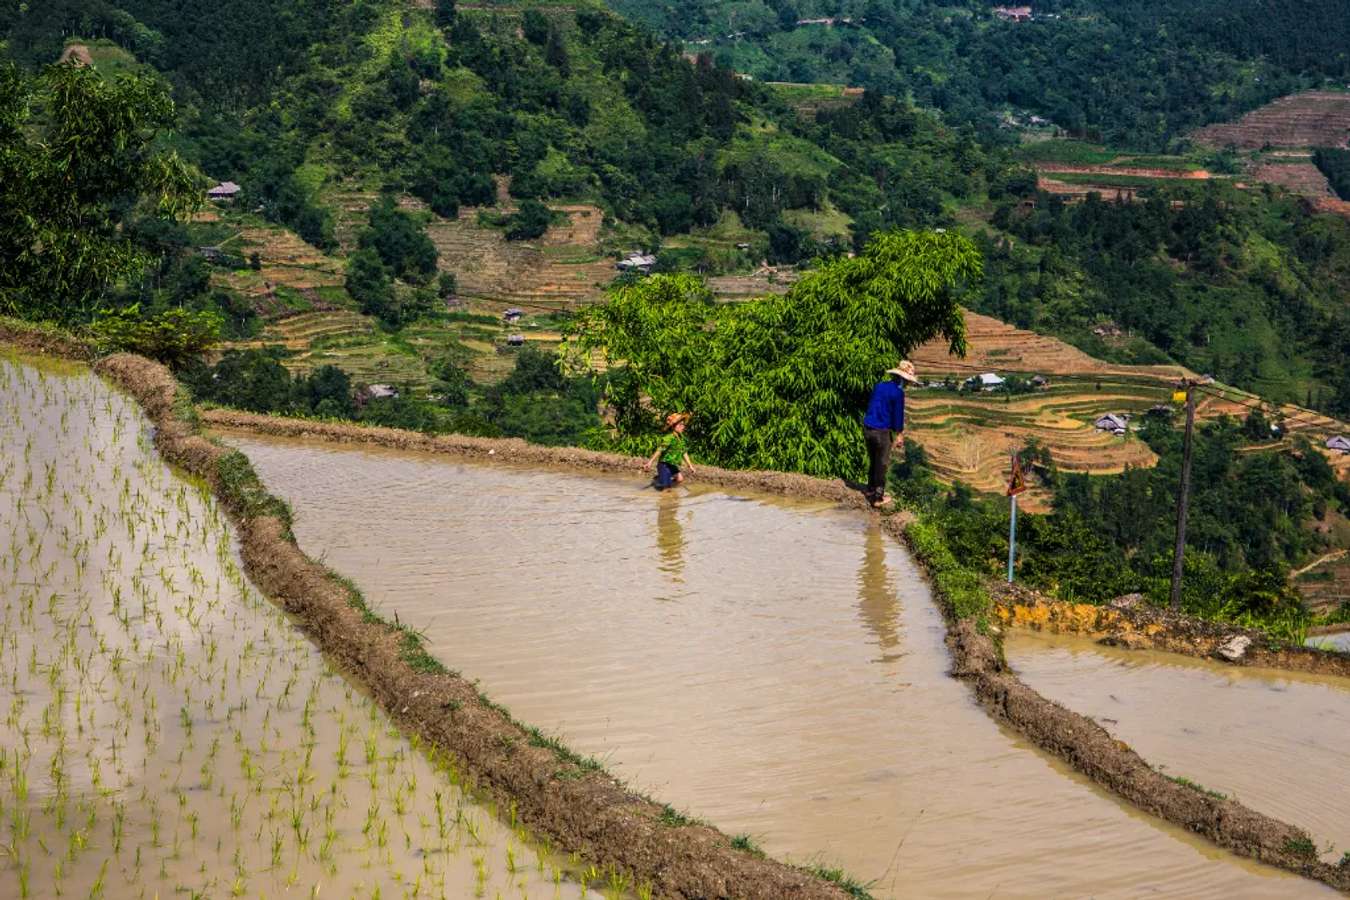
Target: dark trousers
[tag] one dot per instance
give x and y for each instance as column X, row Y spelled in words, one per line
column 879, row 441
column 666, row 475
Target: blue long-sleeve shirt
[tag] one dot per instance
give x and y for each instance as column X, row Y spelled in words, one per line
column 886, row 410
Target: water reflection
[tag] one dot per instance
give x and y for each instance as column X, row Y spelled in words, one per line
column 670, row 542
column 877, row 600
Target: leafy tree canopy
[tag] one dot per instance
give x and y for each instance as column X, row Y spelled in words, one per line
column 79, row 157
column 778, row 383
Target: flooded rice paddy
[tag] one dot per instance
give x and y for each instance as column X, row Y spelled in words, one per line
column 166, row 731
column 1275, row 740
column 775, row 667
column 1339, row 641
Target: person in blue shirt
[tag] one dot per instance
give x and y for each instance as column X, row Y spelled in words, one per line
column 884, row 428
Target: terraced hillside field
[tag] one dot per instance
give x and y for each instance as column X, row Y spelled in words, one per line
column 969, row 435
column 355, row 344
column 564, row 268
column 307, row 278
column 1295, row 173
column 1309, row 119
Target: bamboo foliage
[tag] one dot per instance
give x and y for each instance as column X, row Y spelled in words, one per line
column 79, row 155
column 781, row 382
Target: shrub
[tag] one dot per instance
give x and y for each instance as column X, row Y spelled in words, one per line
column 173, row 337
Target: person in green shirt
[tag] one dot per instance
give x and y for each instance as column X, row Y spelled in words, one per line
column 671, row 454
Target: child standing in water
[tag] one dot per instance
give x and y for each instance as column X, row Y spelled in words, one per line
column 672, row 453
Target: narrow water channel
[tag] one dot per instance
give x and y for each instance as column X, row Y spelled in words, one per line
column 166, row 731
column 1275, row 740
column 775, row 667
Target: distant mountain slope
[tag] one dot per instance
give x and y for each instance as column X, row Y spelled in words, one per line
column 1132, row 72
column 317, row 109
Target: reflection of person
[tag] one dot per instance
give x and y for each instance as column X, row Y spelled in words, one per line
column 884, row 428
column 877, row 602
column 670, row 535
column 672, row 453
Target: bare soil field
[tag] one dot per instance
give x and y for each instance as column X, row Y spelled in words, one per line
column 763, row 281
column 1298, row 176
column 1309, row 119
column 1126, row 170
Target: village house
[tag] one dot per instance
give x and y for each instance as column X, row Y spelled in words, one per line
column 642, row 263
column 1339, row 444
column 516, row 340
column 1116, row 423
column 513, row 315
column 1040, row 381
column 1013, row 13
column 381, row 392
column 985, row 382
column 225, row 192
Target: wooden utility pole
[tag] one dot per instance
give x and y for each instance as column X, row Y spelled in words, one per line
column 1184, row 495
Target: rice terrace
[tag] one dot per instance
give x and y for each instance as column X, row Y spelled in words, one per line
column 614, row 450
column 175, row 691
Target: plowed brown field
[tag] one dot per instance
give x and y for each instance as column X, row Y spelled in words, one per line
column 1309, row 119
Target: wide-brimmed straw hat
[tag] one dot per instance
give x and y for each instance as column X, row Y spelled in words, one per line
column 905, row 369
column 676, row 418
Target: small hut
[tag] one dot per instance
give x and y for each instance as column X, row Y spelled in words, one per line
column 1116, row 423
column 225, row 192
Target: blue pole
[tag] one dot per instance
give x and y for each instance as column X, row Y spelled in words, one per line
column 1012, row 539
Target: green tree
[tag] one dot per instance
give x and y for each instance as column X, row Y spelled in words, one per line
column 173, row 336
column 778, row 383
column 368, row 283
column 401, row 243
column 79, row 156
column 327, row 391
column 529, row 222
column 445, row 13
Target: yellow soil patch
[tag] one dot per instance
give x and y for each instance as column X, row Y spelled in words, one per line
column 997, row 346
column 77, row 54
column 763, row 281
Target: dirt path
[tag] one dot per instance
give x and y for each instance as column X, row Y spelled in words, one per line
column 1330, row 557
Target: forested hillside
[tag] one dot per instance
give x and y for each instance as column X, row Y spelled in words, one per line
column 1132, row 72
column 305, row 103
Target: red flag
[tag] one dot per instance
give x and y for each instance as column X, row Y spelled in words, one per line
column 1017, row 484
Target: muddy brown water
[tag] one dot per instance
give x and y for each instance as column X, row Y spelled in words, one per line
column 166, row 731
column 1275, row 740
column 775, row 667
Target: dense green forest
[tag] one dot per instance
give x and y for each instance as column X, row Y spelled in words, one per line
column 1335, row 164
column 1136, row 73
column 1248, row 287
